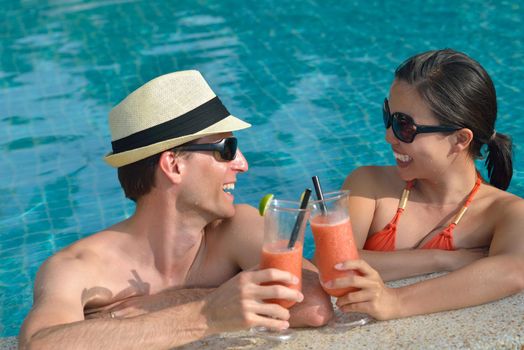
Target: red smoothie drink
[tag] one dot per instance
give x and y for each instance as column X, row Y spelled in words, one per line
column 334, row 243
column 277, row 255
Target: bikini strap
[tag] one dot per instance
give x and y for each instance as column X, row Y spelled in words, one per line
column 405, row 195
column 464, row 208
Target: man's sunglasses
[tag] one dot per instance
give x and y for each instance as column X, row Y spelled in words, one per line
column 227, row 148
column 404, row 126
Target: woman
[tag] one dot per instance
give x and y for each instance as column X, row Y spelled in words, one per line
column 433, row 211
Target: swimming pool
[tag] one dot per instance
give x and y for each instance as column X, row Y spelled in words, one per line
column 309, row 75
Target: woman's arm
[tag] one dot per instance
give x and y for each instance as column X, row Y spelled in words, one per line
column 413, row 262
column 497, row 276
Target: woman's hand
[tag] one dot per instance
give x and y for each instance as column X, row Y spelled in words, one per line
column 373, row 298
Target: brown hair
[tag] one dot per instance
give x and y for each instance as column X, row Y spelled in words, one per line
column 138, row 178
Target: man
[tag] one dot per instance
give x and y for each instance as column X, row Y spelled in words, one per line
column 173, row 272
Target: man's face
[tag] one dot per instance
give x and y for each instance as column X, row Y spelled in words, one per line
column 209, row 180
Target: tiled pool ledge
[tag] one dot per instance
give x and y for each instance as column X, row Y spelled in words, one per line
column 497, row 325
column 8, row 343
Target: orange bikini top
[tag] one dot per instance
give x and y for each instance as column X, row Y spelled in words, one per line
column 384, row 240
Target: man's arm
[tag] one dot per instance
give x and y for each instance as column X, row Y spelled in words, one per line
column 497, row 276
column 143, row 304
column 163, row 329
column 246, row 239
column 57, row 314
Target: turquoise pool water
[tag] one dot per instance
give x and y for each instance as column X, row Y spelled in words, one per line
column 309, row 75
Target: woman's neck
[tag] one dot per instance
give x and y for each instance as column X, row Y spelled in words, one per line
column 450, row 187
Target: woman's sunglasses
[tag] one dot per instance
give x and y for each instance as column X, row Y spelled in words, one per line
column 404, row 126
column 227, row 148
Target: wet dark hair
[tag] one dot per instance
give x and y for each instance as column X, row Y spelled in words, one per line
column 138, row 178
column 460, row 92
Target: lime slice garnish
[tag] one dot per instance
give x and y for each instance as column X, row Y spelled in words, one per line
column 264, row 203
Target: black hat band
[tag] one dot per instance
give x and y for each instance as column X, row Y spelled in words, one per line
column 189, row 123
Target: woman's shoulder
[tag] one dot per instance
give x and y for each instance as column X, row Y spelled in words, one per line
column 499, row 206
column 506, row 210
column 374, row 179
column 504, row 201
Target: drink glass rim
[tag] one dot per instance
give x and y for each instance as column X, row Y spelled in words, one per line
column 331, row 196
column 286, row 205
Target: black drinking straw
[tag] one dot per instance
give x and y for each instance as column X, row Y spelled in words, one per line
column 320, row 195
column 300, row 219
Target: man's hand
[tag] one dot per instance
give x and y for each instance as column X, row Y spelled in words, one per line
column 239, row 303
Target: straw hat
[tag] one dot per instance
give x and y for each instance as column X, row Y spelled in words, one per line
column 166, row 112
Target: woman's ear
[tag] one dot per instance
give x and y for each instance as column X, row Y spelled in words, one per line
column 462, row 139
column 171, row 165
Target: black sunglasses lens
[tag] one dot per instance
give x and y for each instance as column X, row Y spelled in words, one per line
column 404, row 127
column 230, row 149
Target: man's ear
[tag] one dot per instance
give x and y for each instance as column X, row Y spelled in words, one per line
column 462, row 139
column 172, row 166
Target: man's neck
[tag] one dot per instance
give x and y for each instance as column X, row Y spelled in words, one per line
column 171, row 238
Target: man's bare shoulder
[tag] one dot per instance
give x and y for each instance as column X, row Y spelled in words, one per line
column 83, row 257
column 96, row 244
column 239, row 237
column 245, row 225
column 62, row 281
column 68, row 269
column 246, row 217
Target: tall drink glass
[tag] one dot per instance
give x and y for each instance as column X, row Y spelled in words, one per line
column 282, row 220
column 334, row 243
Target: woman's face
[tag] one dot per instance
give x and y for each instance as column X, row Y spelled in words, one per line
column 429, row 154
